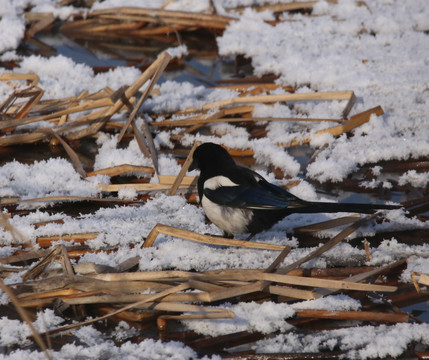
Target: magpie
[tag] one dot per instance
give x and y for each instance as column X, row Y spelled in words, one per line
column 239, row 200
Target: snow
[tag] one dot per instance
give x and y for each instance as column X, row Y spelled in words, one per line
column 16, row 332
column 365, row 52
column 52, row 177
column 365, row 342
column 62, row 77
column 265, row 318
column 101, row 349
column 378, row 49
column 331, row 303
column 414, row 178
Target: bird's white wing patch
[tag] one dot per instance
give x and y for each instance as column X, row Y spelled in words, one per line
column 218, row 181
column 230, row 220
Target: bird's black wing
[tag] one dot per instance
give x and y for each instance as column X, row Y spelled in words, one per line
column 245, row 197
column 252, row 192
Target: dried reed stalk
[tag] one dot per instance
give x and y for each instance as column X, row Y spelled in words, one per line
column 171, row 180
column 72, row 154
column 11, row 201
column 354, row 122
column 330, row 244
column 16, row 234
column 26, row 318
column 329, row 224
column 363, row 276
column 255, row 88
column 160, row 295
column 318, row 96
column 180, row 177
column 139, row 187
column 37, row 269
column 162, row 320
column 354, row 315
column 205, row 239
column 168, row 17
column 25, row 256
column 424, row 279
column 291, row 293
column 295, row 280
column 324, row 283
column 138, row 22
column 154, row 71
column 33, row 78
column 120, row 170
column 58, row 109
column 46, row 241
column 41, row 21
column 166, row 275
column 201, row 122
column 292, row 6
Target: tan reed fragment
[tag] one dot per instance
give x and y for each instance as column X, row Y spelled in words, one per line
column 324, row 283
column 424, row 279
column 149, row 139
column 41, row 21
column 291, row 293
column 121, row 169
column 183, row 170
column 156, row 69
column 166, row 275
column 10, row 201
column 37, row 269
column 171, row 179
column 354, row 315
column 139, row 187
column 192, row 122
column 363, row 276
column 141, row 143
column 415, row 282
column 162, row 320
column 46, row 241
column 367, row 250
column 154, row 297
column 330, row 244
column 205, row 239
column 56, row 110
column 34, row 78
column 317, row 96
column 23, row 313
column 329, row 224
column 294, row 5
column 168, row 17
column 72, row 154
column 16, row 234
column 348, row 125
column 119, row 103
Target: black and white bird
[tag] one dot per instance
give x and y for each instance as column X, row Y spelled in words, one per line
column 239, row 200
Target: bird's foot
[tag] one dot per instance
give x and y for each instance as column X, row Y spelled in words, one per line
column 250, row 237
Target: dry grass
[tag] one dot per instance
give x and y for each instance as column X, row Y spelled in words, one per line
column 122, row 293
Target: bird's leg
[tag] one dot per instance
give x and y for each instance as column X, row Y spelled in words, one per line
column 250, row 237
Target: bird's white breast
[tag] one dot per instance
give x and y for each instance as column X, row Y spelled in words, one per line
column 230, row 220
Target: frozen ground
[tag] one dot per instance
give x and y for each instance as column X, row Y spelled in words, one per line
column 378, row 49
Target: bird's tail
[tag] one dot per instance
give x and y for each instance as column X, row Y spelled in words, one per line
column 329, row 207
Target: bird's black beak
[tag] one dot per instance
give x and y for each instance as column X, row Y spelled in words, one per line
column 193, row 166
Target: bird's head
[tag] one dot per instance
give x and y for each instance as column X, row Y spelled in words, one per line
column 210, row 156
